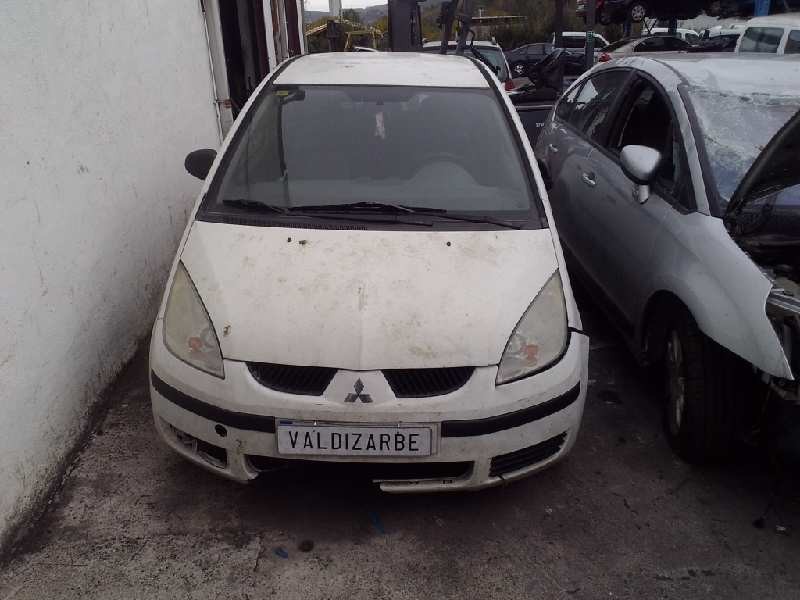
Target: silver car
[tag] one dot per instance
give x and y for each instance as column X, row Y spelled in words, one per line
column 675, row 186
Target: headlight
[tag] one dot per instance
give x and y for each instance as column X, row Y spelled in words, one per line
column 539, row 338
column 188, row 332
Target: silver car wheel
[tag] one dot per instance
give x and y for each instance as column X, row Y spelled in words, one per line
column 638, row 12
column 676, row 383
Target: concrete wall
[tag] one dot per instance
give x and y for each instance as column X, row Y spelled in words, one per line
column 100, row 102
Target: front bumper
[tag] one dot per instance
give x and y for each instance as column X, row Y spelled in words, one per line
column 497, row 433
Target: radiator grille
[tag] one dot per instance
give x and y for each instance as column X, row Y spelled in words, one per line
column 307, row 381
column 405, row 383
column 514, row 461
column 423, row 383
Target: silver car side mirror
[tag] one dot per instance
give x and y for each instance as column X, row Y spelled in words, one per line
column 640, row 165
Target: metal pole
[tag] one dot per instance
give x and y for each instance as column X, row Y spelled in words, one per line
column 465, row 20
column 558, row 24
column 590, row 22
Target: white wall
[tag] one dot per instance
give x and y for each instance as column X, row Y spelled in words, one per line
column 100, row 102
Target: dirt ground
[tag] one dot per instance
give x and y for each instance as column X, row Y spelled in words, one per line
column 620, row 518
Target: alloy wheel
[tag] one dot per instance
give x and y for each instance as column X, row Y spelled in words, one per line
column 638, row 12
column 676, row 383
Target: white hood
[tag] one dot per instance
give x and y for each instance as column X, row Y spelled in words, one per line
column 366, row 300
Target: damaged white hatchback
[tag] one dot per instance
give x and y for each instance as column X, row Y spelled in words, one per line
column 371, row 276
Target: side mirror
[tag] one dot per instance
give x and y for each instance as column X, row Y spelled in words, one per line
column 640, row 164
column 198, row 163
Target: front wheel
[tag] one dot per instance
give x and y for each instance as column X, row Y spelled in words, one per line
column 637, row 12
column 703, row 391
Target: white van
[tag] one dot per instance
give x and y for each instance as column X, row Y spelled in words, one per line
column 372, row 275
column 776, row 34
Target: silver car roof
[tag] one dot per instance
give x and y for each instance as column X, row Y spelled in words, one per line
column 732, row 73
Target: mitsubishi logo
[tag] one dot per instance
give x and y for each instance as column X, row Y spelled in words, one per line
column 358, row 388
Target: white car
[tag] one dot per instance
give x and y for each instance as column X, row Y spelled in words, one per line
column 775, row 34
column 687, row 35
column 575, row 40
column 484, row 50
column 371, row 275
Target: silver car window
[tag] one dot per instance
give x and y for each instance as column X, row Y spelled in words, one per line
column 595, row 100
column 761, row 39
column 646, row 120
column 793, row 43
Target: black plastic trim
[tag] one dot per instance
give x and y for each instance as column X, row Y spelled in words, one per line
column 230, row 418
column 249, row 422
column 512, row 419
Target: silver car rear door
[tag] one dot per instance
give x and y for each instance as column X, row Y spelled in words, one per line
column 566, row 146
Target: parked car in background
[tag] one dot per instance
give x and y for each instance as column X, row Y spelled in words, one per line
column 687, row 35
column 574, row 43
column 521, row 60
column 615, row 11
column 371, row 276
column 576, row 40
column 719, row 43
column 776, row 34
column 653, row 43
column 486, row 51
column 675, row 185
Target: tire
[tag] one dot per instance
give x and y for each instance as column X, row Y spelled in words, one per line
column 637, row 11
column 704, row 385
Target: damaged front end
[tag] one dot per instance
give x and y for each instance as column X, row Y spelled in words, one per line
column 763, row 217
column 783, row 310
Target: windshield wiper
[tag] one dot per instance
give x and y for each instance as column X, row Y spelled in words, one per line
column 402, row 209
column 366, row 206
column 299, row 211
column 254, row 205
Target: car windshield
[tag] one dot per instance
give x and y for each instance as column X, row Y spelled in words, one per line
column 493, row 54
column 736, row 128
column 435, row 148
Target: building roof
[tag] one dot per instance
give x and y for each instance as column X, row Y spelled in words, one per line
column 383, row 68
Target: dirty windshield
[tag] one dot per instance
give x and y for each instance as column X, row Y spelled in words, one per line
column 736, row 128
column 425, row 148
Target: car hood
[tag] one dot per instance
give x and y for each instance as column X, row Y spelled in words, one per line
column 778, row 165
column 366, row 300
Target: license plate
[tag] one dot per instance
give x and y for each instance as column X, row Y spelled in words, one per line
column 324, row 439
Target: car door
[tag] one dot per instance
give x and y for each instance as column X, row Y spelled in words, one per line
column 576, row 126
column 621, row 257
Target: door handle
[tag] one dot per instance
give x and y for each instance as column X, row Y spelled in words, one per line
column 589, row 179
column 553, row 148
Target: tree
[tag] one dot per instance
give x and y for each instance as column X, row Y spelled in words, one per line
column 352, row 15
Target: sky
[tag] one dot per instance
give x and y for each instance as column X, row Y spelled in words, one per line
column 323, row 4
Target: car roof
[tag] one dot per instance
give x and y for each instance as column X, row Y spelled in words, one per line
column 678, row 30
column 580, row 34
column 735, row 73
column 788, row 20
column 383, row 68
column 481, row 43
